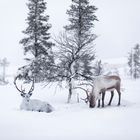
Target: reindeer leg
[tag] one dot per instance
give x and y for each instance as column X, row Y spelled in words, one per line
column 103, row 97
column 112, row 94
column 119, row 93
column 98, row 103
column 99, row 100
column 119, row 102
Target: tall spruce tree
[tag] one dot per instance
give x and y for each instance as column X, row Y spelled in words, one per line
column 134, row 61
column 81, row 22
column 37, row 40
column 76, row 45
column 81, row 18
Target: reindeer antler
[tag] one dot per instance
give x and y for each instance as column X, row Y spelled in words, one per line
column 87, row 98
column 22, row 91
column 32, row 88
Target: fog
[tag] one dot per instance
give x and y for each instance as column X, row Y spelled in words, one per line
column 118, row 27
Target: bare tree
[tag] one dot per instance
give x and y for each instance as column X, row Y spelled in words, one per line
column 75, row 46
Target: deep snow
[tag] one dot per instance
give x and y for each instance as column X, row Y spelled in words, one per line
column 70, row 121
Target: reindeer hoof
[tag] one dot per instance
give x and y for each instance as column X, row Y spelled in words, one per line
column 91, row 106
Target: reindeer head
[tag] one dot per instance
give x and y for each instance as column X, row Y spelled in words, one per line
column 90, row 96
column 92, row 100
column 87, row 94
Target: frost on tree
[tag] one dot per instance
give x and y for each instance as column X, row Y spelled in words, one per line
column 3, row 64
column 134, row 62
column 37, row 42
column 75, row 45
column 98, row 68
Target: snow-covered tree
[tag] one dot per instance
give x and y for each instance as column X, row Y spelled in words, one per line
column 37, row 42
column 130, row 62
column 76, row 51
column 3, row 64
column 98, row 68
column 134, row 61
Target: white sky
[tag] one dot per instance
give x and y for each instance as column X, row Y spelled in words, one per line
column 118, row 27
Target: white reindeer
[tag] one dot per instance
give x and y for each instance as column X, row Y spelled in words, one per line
column 32, row 104
column 101, row 85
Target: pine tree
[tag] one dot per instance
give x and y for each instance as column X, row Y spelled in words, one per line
column 137, row 61
column 130, row 63
column 81, row 19
column 134, row 62
column 4, row 63
column 37, row 39
column 76, row 50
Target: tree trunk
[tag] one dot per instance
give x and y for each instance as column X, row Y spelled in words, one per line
column 71, row 81
column 70, row 90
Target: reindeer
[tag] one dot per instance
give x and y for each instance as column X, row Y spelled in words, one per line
column 32, row 104
column 99, row 88
column 101, row 85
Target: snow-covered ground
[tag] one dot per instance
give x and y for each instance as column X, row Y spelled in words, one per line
column 74, row 121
